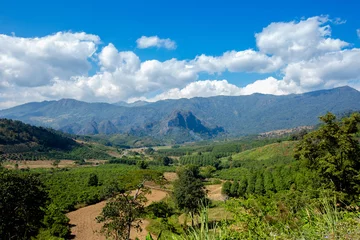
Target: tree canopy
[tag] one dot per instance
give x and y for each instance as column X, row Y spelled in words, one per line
column 123, row 212
column 22, row 198
column 333, row 151
column 189, row 190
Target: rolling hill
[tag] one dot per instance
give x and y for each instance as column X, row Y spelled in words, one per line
column 19, row 141
column 271, row 151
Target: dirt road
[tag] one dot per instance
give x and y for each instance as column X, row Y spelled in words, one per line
column 86, row 228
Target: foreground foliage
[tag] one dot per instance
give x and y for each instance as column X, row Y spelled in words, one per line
column 271, row 194
column 189, row 191
column 122, row 212
column 22, row 198
column 333, row 151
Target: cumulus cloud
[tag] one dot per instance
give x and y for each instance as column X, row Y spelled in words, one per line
column 206, row 88
column 269, row 85
column 238, row 61
column 298, row 41
column 300, row 55
column 122, row 75
column 330, row 70
column 155, row 41
column 210, row 88
column 32, row 62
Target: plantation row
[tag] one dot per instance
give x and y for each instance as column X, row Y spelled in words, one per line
column 200, row 160
column 267, row 181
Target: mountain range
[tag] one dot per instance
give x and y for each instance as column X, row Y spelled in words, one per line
column 188, row 119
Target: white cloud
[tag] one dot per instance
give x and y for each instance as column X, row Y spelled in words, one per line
column 206, row 88
column 298, row 41
column 155, row 41
column 358, row 32
column 329, row 70
column 338, row 21
column 34, row 62
column 238, row 61
column 210, row 88
column 269, row 85
column 300, row 55
column 122, row 75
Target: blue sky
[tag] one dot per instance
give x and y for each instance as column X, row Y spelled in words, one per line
column 210, row 28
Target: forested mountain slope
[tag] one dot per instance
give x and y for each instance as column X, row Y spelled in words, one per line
column 235, row 115
column 20, row 141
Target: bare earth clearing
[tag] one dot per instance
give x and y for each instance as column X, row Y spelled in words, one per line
column 214, row 192
column 86, row 227
column 48, row 163
column 39, row 164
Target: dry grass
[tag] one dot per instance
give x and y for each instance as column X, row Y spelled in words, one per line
column 214, row 192
column 39, row 164
column 47, row 164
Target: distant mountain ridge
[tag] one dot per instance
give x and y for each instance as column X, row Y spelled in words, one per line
column 233, row 115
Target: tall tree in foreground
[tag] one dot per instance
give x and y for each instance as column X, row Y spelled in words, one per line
column 22, row 198
column 334, row 152
column 122, row 212
column 189, row 190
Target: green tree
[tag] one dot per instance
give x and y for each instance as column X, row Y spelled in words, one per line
column 234, row 189
column 250, row 189
column 56, row 222
column 56, row 163
column 268, row 182
column 189, row 190
column 122, row 212
column 166, row 161
column 22, row 198
column 259, row 184
column 142, row 164
column 226, row 188
column 242, row 186
column 149, row 151
column 207, row 171
column 93, row 180
column 333, row 152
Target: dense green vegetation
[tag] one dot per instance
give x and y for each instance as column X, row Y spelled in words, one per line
column 218, row 149
column 22, row 196
column 304, row 186
column 16, row 132
column 121, row 140
column 19, row 141
column 333, row 152
column 70, row 188
column 67, row 189
column 303, row 189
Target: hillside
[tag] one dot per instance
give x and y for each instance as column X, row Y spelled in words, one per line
column 235, row 115
column 271, row 151
column 24, row 137
column 19, row 141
